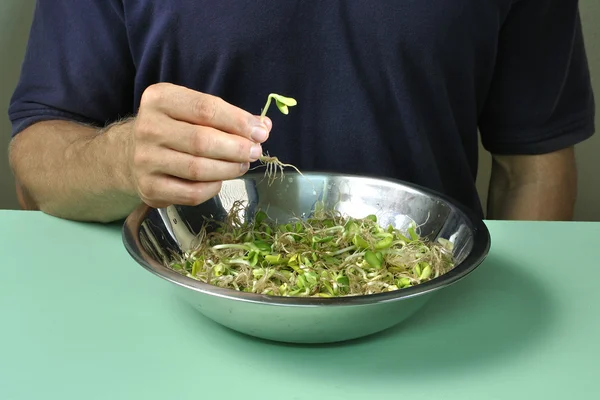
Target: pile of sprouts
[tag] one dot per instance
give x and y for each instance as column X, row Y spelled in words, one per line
column 325, row 255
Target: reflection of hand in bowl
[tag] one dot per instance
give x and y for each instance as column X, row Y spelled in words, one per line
column 151, row 236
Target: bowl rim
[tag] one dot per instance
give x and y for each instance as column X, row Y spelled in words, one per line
column 481, row 246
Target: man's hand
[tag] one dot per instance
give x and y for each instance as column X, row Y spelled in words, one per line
column 186, row 143
column 178, row 150
column 539, row 187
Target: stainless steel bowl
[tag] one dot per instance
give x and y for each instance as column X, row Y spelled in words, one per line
column 151, row 235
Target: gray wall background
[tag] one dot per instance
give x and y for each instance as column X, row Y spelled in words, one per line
column 15, row 20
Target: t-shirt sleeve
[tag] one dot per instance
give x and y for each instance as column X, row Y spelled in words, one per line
column 540, row 99
column 77, row 65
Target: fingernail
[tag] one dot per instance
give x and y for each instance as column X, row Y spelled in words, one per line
column 255, row 152
column 244, row 167
column 267, row 121
column 259, row 133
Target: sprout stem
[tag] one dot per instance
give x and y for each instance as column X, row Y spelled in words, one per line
column 265, row 108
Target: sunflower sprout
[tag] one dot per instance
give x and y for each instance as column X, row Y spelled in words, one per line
column 326, row 255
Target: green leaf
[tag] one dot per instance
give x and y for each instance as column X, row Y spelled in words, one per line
column 417, row 269
column 283, row 289
column 318, row 239
column 301, row 282
column 329, row 288
column 273, row 259
column 328, row 223
column 329, row 259
column 293, row 260
column 287, row 274
column 307, row 262
column 373, row 260
column 260, row 217
column 282, row 107
column 287, row 101
column 177, row 267
column 312, row 278
column 282, row 103
column 359, row 242
column 266, row 229
column 253, row 258
column 425, row 271
column 218, row 270
column 403, row 282
column 385, row 242
column 262, row 246
column 371, row 217
column 343, row 280
column 413, row 234
column 197, row 265
column 351, row 227
column 258, row 273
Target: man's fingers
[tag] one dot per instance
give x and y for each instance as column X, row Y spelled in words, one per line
column 161, row 191
column 197, row 108
column 191, row 168
column 209, row 142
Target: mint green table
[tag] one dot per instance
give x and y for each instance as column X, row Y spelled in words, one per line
column 81, row 320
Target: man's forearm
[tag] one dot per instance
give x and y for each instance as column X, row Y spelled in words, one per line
column 533, row 187
column 74, row 171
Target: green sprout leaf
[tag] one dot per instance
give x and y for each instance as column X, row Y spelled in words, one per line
column 282, row 103
column 403, row 282
column 317, row 239
column 385, row 242
column 371, row 217
column 301, row 282
column 351, row 227
column 413, row 234
column 373, row 259
column 262, row 246
column 342, row 280
column 311, row 278
column 258, row 273
column 282, row 107
column 286, row 101
column 177, row 267
column 260, row 217
column 273, row 258
column 425, row 271
column 253, row 258
column 196, row 266
column 329, row 288
column 307, row 262
column 360, row 242
column 417, row 269
column 219, row 270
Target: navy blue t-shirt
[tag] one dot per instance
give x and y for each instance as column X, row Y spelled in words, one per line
column 384, row 87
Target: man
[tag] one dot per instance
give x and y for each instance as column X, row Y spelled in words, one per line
column 123, row 101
